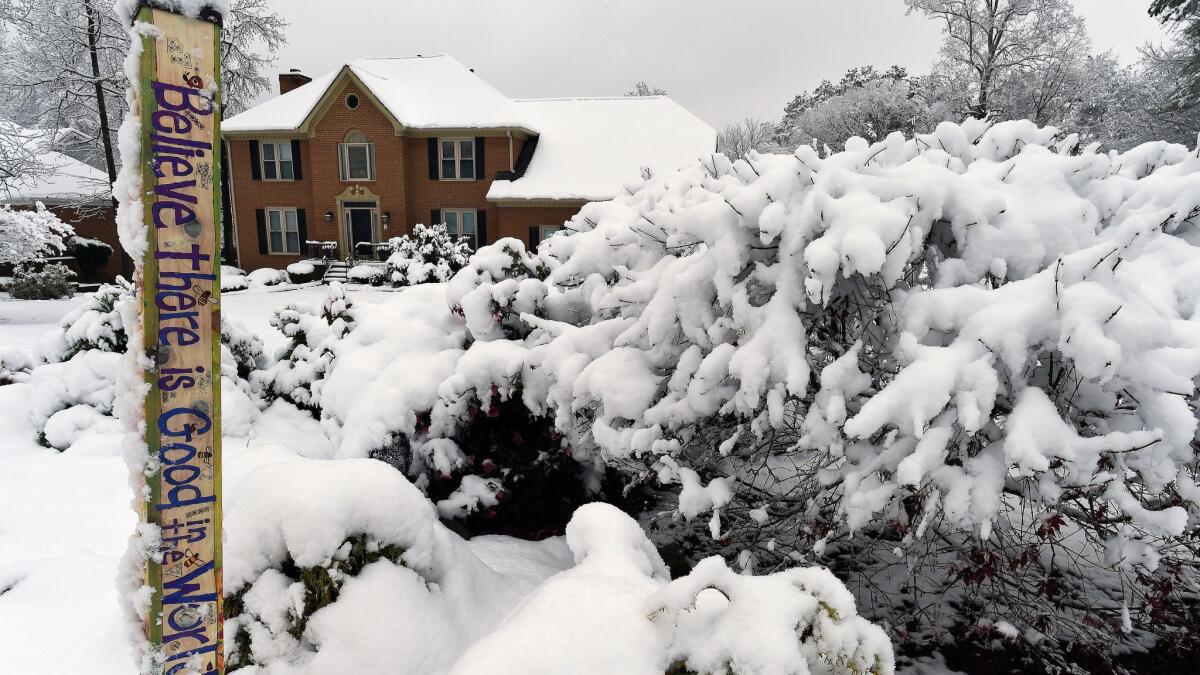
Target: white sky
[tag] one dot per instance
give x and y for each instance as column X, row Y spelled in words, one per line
column 723, row 59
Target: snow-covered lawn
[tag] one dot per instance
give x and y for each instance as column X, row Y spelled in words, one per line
column 24, row 322
column 298, row 492
column 65, row 518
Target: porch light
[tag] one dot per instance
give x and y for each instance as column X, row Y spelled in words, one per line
column 329, row 216
column 387, row 217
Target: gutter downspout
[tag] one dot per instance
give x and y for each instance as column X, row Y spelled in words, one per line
column 508, row 132
column 234, row 244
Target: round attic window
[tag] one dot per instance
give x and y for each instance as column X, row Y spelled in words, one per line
column 352, row 101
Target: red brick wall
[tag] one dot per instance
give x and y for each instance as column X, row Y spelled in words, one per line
column 402, row 183
column 515, row 221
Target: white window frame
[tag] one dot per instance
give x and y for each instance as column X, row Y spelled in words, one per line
column 457, row 158
column 473, row 238
column 283, row 230
column 277, row 161
column 547, row 231
column 344, row 161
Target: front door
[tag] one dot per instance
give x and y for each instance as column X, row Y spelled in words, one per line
column 360, row 223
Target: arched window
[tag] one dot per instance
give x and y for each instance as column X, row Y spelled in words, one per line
column 357, row 157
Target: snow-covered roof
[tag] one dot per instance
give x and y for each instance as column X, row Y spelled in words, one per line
column 590, row 147
column 64, row 179
column 420, row 92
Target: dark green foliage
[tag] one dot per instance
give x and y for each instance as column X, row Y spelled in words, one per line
column 48, row 283
column 91, row 254
column 542, row 483
column 321, row 588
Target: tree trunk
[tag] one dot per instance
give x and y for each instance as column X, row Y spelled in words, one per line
column 93, row 34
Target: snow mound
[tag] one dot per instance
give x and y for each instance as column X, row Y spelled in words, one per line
column 343, row 566
column 616, row 612
column 266, row 276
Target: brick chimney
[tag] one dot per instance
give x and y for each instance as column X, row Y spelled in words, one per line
column 292, row 79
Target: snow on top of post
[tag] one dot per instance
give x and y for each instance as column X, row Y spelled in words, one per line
column 590, row 147
column 209, row 10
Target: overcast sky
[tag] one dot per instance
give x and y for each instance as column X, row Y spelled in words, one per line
column 723, row 59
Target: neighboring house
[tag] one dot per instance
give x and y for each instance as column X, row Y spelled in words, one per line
column 79, row 194
column 364, row 153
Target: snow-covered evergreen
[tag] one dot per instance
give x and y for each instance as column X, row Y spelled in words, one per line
column 967, row 354
column 428, row 254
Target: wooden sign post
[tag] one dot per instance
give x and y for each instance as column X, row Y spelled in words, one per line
column 178, row 101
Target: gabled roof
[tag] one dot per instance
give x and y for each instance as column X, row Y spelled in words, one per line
column 418, row 92
column 64, row 179
column 590, row 148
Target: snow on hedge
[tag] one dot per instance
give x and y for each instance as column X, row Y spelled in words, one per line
column 985, row 330
column 426, row 255
column 28, row 235
column 422, row 598
column 617, row 611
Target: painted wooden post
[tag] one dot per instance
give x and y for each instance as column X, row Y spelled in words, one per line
column 179, row 105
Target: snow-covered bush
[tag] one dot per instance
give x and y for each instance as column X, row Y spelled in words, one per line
column 244, row 347
column 428, row 254
column 41, row 283
column 233, row 279
column 266, row 276
column 75, row 368
column 95, row 324
column 302, row 272
column 342, row 567
column 15, row 365
column 618, row 600
column 958, row 367
column 299, row 371
column 367, row 273
column 31, row 235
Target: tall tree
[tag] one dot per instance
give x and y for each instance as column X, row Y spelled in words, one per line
column 855, row 77
column 738, row 139
column 1183, row 56
column 992, row 40
column 62, row 65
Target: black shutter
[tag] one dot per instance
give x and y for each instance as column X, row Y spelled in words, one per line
column 435, row 217
column 297, row 171
column 481, row 227
column 433, row 159
column 479, row 158
column 302, row 228
column 255, row 162
column 534, row 233
column 260, row 216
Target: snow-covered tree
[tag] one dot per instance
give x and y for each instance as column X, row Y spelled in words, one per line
column 427, row 254
column 63, row 66
column 21, row 155
column 738, row 139
column 871, row 111
column 854, row 77
column 299, row 370
column 29, row 235
column 1184, row 17
column 958, row 368
column 989, row 41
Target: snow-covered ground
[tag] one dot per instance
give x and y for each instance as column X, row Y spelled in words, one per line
column 65, row 518
column 598, row 600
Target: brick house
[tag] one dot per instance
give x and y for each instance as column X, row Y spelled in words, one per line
column 364, row 153
column 80, row 195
